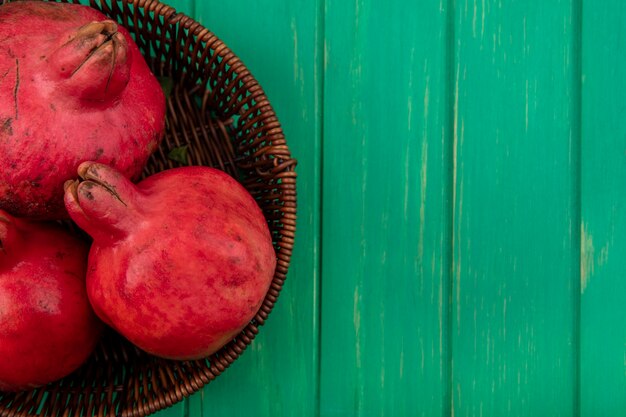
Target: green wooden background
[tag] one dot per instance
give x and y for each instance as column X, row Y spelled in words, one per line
column 461, row 241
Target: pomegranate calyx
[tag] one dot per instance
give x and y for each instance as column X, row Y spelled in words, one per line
column 87, row 175
column 94, row 61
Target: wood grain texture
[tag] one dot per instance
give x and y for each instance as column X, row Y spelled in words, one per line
column 460, row 214
column 603, row 226
column 384, row 214
column 516, row 268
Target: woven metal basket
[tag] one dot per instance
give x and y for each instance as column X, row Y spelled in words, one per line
column 217, row 113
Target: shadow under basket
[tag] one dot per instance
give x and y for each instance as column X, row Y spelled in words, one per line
column 219, row 116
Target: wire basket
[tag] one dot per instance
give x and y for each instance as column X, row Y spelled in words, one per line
column 219, row 116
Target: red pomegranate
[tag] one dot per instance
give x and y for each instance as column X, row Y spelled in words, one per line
column 47, row 327
column 73, row 87
column 180, row 262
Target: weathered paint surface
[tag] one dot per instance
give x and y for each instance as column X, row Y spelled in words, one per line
column 385, row 213
column 603, row 210
column 460, row 247
column 516, row 262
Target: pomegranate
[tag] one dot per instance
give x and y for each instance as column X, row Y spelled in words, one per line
column 180, row 262
column 73, row 87
column 47, row 326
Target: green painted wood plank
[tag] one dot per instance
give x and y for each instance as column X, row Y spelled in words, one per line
column 603, row 317
column 385, row 216
column 279, row 41
column 516, row 263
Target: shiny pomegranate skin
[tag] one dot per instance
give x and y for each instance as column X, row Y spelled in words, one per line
column 180, row 262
